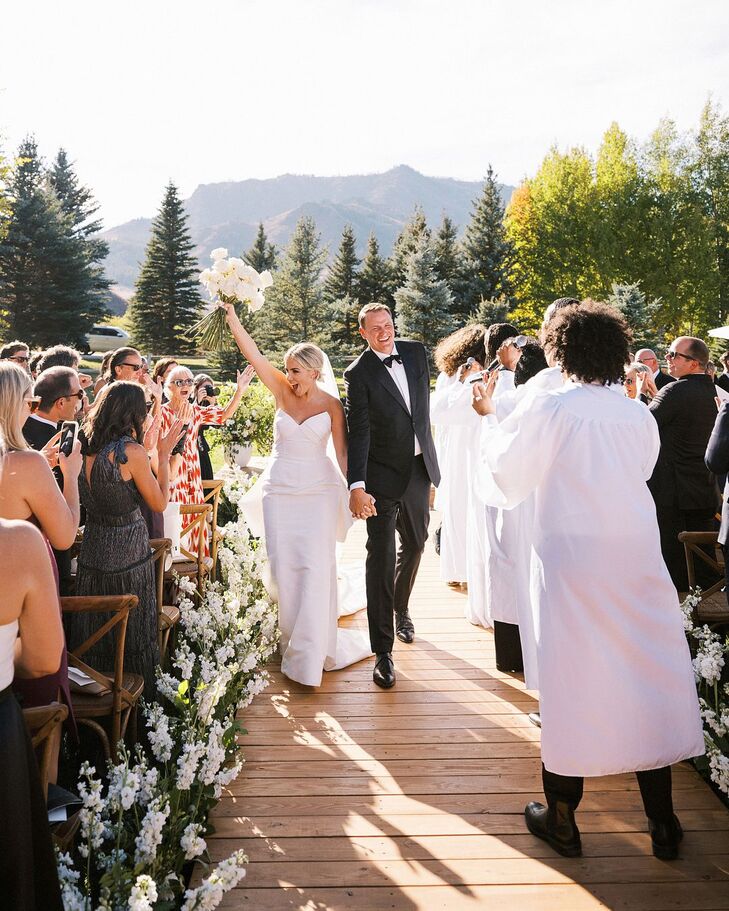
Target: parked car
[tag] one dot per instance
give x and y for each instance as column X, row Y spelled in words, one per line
column 106, row 338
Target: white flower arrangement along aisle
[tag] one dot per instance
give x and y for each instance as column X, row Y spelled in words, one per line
column 138, row 833
column 709, row 651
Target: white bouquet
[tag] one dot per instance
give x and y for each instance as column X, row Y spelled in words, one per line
column 230, row 280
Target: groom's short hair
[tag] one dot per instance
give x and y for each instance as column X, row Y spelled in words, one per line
column 372, row 308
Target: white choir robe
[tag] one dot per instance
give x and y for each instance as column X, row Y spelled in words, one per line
column 454, row 427
column 617, row 690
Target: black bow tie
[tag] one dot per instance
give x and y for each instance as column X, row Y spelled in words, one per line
column 388, row 361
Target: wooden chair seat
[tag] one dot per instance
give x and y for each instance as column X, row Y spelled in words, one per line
column 99, row 706
column 713, row 609
column 169, row 616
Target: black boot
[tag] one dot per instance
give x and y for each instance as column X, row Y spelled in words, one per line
column 404, row 629
column 555, row 825
column 666, row 837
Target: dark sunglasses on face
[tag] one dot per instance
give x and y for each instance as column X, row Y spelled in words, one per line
column 670, row 355
column 19, row 359
column 181, row 383
column 71, row 395
column 135, row 367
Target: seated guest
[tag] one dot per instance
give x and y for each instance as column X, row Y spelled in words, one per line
column 60, row 393
column 683, row 488
column 648, row 357
column 115, row 557
column 31, row 643
column 617, row 691
column 18, row 353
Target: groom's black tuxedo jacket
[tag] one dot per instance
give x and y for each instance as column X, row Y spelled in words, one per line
column 381, row 429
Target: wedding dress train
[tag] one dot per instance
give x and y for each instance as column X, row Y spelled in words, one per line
column 299, row 504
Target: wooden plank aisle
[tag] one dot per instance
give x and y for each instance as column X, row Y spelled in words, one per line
column 412, row 799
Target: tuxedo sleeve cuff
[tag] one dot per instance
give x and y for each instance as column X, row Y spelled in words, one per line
column 357, row 485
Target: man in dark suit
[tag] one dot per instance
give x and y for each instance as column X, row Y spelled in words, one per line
column 722, row 379
column 648, row 357
column 60, row 393
column 717, row 461
column 683, row 488
column 391, row 465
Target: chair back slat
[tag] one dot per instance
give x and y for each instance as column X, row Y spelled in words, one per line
column 44, row 724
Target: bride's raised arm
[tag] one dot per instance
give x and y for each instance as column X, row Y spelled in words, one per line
column 274, row 379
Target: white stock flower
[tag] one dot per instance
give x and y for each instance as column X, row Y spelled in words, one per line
column 150, row 832
column 187, row 764
column 124, row 783
column 143, row 894
column 210, row 893
column 158, row 732
column 191, row 842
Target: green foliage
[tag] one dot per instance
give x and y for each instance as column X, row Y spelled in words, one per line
column 405, row 245
column 424, row 302
column 375, row 278
column 50, row 280
column 640, row 313
column 167, row 294
column 262, row 255
column 340, row 292
column 252, row 423
column 496, row 310
column 294, row 310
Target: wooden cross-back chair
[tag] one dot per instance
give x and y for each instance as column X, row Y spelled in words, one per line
column 124, row 690
column 44, row 724
column 212, row 490
column 702, row 545
column 194, row 566
column 168, row 615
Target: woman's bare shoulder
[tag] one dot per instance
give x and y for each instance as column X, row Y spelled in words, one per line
column 20, row 539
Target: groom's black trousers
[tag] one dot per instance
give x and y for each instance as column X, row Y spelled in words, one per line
column 390, row 577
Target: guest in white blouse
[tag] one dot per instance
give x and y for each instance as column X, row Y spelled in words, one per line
column 617, row 690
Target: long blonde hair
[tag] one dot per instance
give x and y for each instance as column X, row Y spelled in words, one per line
column 15, row 386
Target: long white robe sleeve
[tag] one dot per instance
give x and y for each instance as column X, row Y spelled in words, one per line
column 617, row 691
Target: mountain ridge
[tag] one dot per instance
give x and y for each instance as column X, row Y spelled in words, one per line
column 228, row 213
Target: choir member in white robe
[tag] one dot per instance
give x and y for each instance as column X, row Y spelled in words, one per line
column 454, row 422
column 617, row 691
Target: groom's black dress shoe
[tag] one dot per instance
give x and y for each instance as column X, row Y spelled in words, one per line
column 665, row 837
column 555, row 825
column 384, row 672
column 404, row 629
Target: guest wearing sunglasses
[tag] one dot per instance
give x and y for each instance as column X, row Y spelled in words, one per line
column 187, row 487
column 126, row 364
column 684, row 490
column 18, row 352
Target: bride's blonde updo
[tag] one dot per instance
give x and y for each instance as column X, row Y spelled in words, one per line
column 308, row 355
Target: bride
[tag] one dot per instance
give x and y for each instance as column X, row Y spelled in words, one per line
column 305, row 509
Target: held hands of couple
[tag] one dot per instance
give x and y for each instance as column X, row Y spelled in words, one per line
column 361, row 504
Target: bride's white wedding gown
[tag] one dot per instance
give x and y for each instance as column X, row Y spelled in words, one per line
column 304, row 513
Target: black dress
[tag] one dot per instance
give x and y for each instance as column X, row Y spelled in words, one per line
column 116, row 559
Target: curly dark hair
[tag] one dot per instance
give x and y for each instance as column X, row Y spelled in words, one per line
column 532, row 360
column 591, row 341
column 119, row 411
column 456, row 348
column 496, row 335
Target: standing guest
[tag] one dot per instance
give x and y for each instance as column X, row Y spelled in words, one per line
column 452, row 433
column 683, row 488
column 162, row 369
column 187, row 485
column 103, row 377
column 391, row 466
column 648, row 357
column 31, row 645
column 722, row 380
column 33, row 363
column 115, row 557
column 721, row 394
column 205, row 394
column 614, row 638
column 60, row 394
column 630, row 383
column 18, row 353
column 717, row 461
column 126, row 364
column 59, row 356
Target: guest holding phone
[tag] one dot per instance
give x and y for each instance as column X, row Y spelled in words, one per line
column 206, row 394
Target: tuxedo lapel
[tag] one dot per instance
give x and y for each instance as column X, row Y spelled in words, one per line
column 385, row 378
column 408, row 362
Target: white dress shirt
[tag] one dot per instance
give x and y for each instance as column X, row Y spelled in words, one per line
column 400, row 377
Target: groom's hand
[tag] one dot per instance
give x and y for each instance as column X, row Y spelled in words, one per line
column 361, row 504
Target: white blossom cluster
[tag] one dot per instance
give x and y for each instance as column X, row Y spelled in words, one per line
column 152, row 817
column 233, row 279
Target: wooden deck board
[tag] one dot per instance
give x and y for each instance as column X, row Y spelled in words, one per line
column 412, row 800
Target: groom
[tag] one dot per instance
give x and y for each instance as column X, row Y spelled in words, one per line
column 391, row 464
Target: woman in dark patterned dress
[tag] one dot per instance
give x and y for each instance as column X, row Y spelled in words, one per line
column 115, row 557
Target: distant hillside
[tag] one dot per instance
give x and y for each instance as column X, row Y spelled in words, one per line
column 227, row 214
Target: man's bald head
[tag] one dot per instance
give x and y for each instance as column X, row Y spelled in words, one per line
column 648, row 357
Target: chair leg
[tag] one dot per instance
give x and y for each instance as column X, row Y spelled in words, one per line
column 101, row 734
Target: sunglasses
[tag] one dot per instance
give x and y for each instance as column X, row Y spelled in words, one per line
column 180, row 383
column 33, row 403
column 19, row 359
column 670, row 355
column 71, row 395
column 135, row 367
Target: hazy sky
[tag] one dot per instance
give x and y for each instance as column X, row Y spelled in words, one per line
column 141, row 92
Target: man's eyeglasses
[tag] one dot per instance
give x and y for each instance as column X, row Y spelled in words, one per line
column 71, row 395
column 135, row 367
column 670, row 355
column 180, row 383
column 19, row 359
column 33, row 403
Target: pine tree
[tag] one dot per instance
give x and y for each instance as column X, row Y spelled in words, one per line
column 342, row 278
column 640, row 314
column 449, row 263
column 406, row 244
column 294, row 308
column 424, row 302
column 167, row 294
column 262, row 255
column 491, row 311
column 340, row 293
column 375, row 279
column 487, row 251
column 48, row 286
